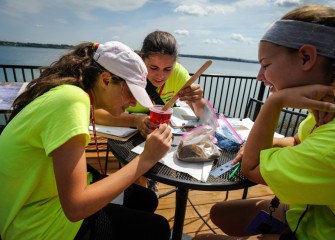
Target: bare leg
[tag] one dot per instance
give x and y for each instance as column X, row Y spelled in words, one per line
column 233, row 217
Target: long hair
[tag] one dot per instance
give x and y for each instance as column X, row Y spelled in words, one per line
column 75, row 68
column 159, row 42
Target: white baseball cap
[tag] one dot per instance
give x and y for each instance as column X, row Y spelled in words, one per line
column 122, row 61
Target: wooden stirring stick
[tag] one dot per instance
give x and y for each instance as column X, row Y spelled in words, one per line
column 188, row 83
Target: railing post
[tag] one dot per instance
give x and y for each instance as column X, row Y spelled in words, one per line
column 260, row 97
column 261, row 92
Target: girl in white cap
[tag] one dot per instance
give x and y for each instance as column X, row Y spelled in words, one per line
column 44, row 191
column 297, row 57
column 165, row 78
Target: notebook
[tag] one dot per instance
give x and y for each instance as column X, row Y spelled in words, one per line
column 118, row 133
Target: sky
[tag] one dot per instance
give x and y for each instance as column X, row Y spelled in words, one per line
column 222, row 28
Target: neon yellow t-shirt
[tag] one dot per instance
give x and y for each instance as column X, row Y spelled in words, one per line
column 173, row 84
column 29, row 204
column 305, row 174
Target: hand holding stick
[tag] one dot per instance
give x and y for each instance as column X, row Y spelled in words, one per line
column 188, row 83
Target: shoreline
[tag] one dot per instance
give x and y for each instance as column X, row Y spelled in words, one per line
column 38, row 45
column 67, row 46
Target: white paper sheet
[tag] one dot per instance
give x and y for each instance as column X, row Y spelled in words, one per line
column 199, row 171
column 183, row 116
column 244, row 126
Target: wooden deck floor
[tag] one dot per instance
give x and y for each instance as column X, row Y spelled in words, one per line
column 202, row 200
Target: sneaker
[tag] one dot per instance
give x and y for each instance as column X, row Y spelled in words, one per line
column 153, row 185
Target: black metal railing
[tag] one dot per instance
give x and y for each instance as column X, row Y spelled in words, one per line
column 289, row 118
column 228, row 94
column 19, row 73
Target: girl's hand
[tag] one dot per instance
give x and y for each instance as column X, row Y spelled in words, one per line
column 191, row 93
column 322, row 117
column 319, row 98
column 238, row 156
column 158, row 143
column 142, row 123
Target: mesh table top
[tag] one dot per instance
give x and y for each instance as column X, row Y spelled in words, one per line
column 162, row 173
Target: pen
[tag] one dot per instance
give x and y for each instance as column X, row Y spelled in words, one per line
column 233, row 172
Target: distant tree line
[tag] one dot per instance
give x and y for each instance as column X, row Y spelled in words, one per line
column 66, row 46
column 218, row 58
column 40, row 45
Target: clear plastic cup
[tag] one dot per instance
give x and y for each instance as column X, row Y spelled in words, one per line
column 158, row 116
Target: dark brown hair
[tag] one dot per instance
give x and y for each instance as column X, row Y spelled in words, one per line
column 159, row 42
column 313, row 13
column 75, row 68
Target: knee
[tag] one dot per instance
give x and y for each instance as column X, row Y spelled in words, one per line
column 162, row 227
column 216, row 214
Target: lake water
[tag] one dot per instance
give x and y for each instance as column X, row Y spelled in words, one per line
column 45, row 56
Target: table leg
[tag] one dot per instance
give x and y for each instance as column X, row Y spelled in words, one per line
column 179, row 215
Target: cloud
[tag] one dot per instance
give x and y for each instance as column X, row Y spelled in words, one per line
column 39, row 25
column 213, row 41
column 13, row 7
column 240, row 38
column 199, row 10
column 182, row 32
column 61, row 21
column 115, row 5
column 84, row 15
column 288, row 3
column 250, row 3
column 116, row 37
column 82, row 8
column 182, row 44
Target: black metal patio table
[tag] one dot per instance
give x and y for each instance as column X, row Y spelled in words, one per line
column 183, row 181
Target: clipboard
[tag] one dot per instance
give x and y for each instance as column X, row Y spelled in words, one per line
column 117, row 133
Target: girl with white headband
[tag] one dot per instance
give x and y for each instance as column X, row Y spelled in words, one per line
column 297, row 58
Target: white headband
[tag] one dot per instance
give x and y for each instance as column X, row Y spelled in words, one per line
column 294, row 34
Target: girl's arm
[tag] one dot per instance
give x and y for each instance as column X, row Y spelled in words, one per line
column 261, row 135
column 80, row 200
column 124, row 120
column 139, row 121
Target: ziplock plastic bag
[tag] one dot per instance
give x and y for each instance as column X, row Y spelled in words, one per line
column 197, row 145
column 227, row 137
column 208, row 117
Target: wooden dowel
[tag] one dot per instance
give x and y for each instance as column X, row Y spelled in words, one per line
column 188, row 83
